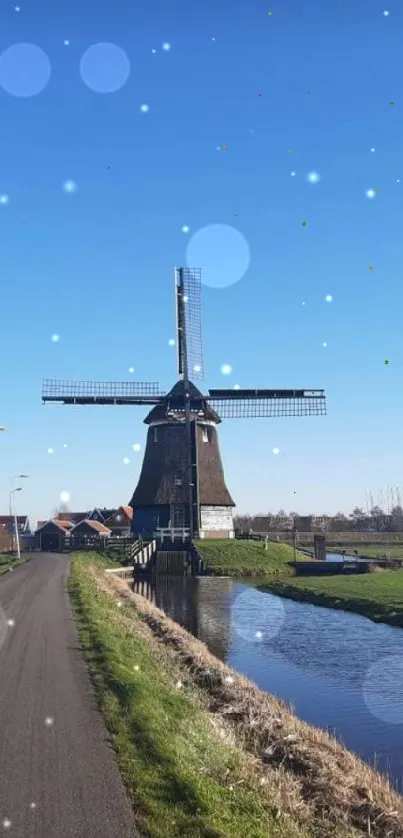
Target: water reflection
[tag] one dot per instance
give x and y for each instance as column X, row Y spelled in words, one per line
column 315, row 659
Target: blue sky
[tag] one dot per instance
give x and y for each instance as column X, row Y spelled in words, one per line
column 313, row 87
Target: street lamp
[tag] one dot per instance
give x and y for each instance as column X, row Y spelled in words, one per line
column 13, row 514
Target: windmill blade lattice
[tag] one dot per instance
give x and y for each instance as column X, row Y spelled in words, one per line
column 100, row 392
column 188, row 289
column 255, row 404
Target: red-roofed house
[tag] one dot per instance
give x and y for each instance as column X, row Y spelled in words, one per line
column 120, row 522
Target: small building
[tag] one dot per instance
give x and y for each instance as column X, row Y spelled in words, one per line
column 89, row 531
column 120, row 522
column 53, row 535
column 7, row 523
column 73, row 517
column 100, row 515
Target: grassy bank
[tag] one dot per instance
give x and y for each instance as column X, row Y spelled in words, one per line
column 246, row 558
column 180, row 775
column 8, row 562
column 203, row 752
column 378, row 596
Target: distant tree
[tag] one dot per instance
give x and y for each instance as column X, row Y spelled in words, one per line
column 63, row 507
column 357, row 513
column 397, row 512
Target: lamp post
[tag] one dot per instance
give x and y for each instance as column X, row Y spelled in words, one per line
column 12, row 509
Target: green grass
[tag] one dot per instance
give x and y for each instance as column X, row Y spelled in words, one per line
column 246, row 558
column 7, row 561
column 378, row 596
column 178, row 772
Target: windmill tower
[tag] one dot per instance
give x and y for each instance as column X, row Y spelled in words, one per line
column 182, row 484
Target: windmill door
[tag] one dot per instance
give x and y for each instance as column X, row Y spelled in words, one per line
column 178, row 516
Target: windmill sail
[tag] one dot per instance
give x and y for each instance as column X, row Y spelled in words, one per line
column 100, row 392
column 188, row 321
column 254, row 404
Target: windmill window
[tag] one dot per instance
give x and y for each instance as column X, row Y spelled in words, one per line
column 177, row 481
column 155, row 437
column 205, row 435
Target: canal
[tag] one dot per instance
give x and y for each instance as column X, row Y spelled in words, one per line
column 337, row 670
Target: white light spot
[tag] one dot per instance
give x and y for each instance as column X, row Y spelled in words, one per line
column 17, row 8
column 166, row 46
column 144, row 108
column 179, row 685
column 221, row 252
column 185, row 298
column 226, row 369
column 185, row 228
column 293, row 174
column 386, row 13
column 324, row 345
column 69, row 187
column 104, row 68
column 303, row 303
column 131, row 369
column 398, row 180
column 119, row 604
column 237, row 387
column 136, row 668
column 64, row 496
column 50, row 451
column 154, row 50
column 171, row 342
column 373, row 150
column 24, row 70
column 229, row 679
column 64, row 445
column 6, row 823
column 11, row 622
column 370, row 193
column 136, row 447
column 213, row 39
column 329, row 298
column 66, row 43
column 269, row 620
column 383, row 689
column 126, row 461
column 196, row 368
column 4, row 199
column 32, row 805
column 49, row 721
column 259, row 635
column 55, row 338
column 276, row 450
column 313, row 177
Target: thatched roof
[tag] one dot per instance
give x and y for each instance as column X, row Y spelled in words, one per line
column 174, row 402
column 164, row 478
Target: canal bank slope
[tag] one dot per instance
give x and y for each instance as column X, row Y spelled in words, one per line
column 237, row 558
column 202, row 750
column 377, row 595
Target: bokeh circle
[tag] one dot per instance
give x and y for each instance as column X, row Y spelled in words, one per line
column 221, row 252
column 270, row 620
column 24, row 70
column 104, row 68
column 383, row 689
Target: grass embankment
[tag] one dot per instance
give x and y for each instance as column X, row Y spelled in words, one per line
column 8, row 562
column 378, row 596
column 246, row 558
column 366, row 544
column 204, row 753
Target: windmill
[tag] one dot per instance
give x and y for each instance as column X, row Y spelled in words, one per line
column 182, row 484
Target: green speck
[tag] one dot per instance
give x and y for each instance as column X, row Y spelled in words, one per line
column 304, row 223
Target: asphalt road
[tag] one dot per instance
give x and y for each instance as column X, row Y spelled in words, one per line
column 58, row 772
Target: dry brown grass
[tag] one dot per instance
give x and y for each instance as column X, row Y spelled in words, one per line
column 305, row 770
